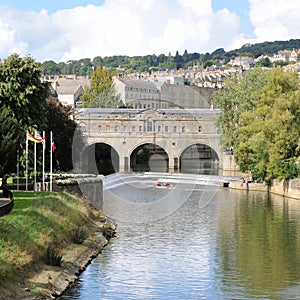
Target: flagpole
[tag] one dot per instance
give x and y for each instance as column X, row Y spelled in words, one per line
column 51, row 154
column 35, row 164
column 44, row 146
column 26, row 172
column 18, row 168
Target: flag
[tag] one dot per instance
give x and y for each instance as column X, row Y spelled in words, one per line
column 53, row 146
column 44, row 139
column 36, row 138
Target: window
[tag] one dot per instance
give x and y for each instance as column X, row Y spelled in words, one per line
column 99, row 127
column 133, row 128
column 158, row 128
column 183, row 129
column 200, row 129
column 107, row 128
column 174, row 129
column 124, row 128
column 116, row 128
column 140, row 128
column 149, row 124
column 166, row 129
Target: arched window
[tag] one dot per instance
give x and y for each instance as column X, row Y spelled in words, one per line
column 149, row 124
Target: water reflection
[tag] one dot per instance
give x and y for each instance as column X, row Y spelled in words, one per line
column 239, row 246
column 257, row 248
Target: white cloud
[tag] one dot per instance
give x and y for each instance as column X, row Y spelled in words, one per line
column 272, row 20
column 277, row 19
column 9, row 41
column 134, row 27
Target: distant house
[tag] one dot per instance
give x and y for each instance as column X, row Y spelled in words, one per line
column 69, row 90
column 243, row 61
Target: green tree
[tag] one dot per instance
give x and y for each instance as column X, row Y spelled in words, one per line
column 10, row 138
column 101, row 92
column 21, row 89
column 261, row 120
column 22, row 103
column 264, row 62
column 50, row 68
column 238, row 96
column 63, row 128
column 280, row 63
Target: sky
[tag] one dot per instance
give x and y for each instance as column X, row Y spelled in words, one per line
column 73, row 29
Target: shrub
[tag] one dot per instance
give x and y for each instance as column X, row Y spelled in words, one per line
column 52, row 256
column 79, row 235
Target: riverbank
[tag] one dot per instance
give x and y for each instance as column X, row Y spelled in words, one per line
column 289, row 188
column 50, row 281
column 42, row 221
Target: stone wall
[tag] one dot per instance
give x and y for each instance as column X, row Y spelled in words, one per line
column 289, row 188
column 229, row 163
column 91, row 188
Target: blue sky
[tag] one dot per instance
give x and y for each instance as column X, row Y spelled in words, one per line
column 72, row 29
column 50, row 5
column 240, row 7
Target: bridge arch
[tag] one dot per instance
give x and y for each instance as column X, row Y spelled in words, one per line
column 199, row 157
column 147, row 156
column 100, row 158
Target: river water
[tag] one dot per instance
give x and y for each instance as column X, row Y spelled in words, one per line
column 216, row 243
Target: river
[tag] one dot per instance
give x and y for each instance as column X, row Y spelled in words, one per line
column 215, row 243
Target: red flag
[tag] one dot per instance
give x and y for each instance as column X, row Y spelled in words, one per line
column 53, row 146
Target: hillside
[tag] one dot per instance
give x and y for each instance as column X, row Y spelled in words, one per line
column 119, row 63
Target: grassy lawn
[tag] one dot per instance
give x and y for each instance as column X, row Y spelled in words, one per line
column 38, row 220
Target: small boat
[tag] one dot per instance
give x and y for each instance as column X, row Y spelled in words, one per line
column 165, row 183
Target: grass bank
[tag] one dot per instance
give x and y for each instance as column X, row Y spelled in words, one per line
column 44, row 231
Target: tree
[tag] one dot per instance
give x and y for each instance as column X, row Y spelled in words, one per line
column 63, row 128
column 50, row 68
column 22, row 103
column 264, row 62
column 237, row 96
column 102, row 92
column 261, row 120
column 21, row 89
column 10, row 138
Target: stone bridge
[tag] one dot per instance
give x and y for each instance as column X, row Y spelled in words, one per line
column 176, row 131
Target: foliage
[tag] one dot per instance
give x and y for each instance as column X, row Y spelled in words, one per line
column 266, row 48
column 101, row 92
column 53, row 256
column 63, row 128
column 10, row 134
column 264, row 62
column 261, row 120
column 78, row 235
column 22, row 103
column 237, row 96
column 164, row 62
column 21, row 89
